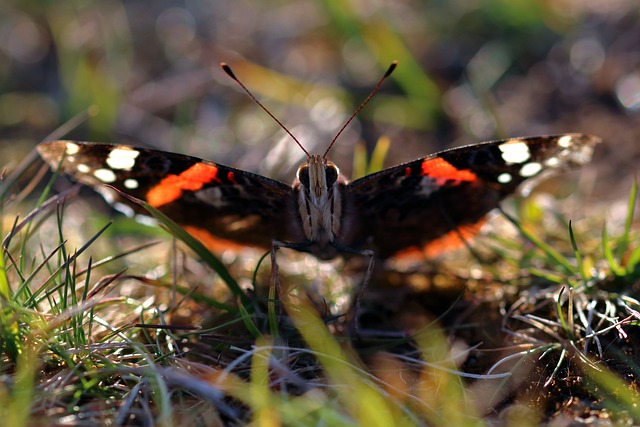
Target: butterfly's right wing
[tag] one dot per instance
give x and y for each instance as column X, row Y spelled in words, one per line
column 430, row 203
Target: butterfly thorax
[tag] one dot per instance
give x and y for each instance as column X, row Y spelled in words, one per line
column 318, row 187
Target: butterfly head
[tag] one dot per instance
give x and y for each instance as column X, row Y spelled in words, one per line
column 317, row 176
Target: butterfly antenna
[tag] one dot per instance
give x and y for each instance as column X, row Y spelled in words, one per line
column 227, row 70
column 392, row 67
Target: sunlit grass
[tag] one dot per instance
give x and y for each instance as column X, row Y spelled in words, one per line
column 71, row 340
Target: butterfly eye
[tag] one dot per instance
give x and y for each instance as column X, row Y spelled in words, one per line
column 331, row 173
column 303, row 175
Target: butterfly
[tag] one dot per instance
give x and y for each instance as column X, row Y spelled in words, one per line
column 412, row 207
column 408, row 207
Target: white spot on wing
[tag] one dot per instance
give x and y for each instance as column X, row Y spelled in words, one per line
column 515, row 151
column 530, row 169
column 130, row 183
column 72, row 148
column 123, row 158
column 552, row 162
column 82, row 168
column 504, row 178
column 565, row 141
column 105, row 175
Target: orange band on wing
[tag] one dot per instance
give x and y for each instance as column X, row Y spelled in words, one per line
column 172, row 186
column 440, row 168
column 215, row 244
column 454, row 239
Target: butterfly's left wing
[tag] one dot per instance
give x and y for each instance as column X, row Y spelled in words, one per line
column 415, row 205
column 220, row 205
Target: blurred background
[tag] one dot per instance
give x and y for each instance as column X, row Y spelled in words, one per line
column 469, row 71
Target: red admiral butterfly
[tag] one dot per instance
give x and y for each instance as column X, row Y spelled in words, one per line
column 408, row 207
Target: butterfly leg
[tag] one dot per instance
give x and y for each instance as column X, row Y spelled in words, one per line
column 353, row 322
column 274, row 281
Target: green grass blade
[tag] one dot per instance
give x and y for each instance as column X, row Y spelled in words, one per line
column 363, row 401
column 359, row 161
column 633, row 262
column 67, row 260
column 576, row 251
column 18, row 407
column 196, row 246
column 5, row 290
column 608, row 253
column 550, row 276
column 248, row 321
column 262, row 404
column 551, row 253
column 560, row 314
column 273, row 305
column 624, row 240
column 376, row 163
column 362, row 165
